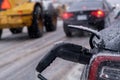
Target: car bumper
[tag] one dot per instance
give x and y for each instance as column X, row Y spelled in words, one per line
column 89, row 24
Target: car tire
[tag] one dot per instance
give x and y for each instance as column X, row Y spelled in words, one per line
column 0, row 33
column 50, row 22
column 36, row 28
column 67, row 31
column 16, row 30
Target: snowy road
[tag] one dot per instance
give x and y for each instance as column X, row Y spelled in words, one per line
column 19, row 56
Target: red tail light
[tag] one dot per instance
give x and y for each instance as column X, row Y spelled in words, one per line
column 100, row 71
column 67, row 15
column 98, row 13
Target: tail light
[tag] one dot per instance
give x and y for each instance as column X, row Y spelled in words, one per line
column 67, row 15
column 98, row 13
column 105, row 68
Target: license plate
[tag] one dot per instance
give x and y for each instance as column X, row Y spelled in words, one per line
column 82, row 17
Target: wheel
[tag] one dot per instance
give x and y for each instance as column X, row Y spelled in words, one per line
column 36, row 28
column 16, row 30
column 67, row 30
column 0, row 33
column 50, row 22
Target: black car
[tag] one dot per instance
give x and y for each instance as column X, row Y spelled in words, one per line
column 95, row 14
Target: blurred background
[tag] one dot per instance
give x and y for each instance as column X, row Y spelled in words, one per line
column 22, row 46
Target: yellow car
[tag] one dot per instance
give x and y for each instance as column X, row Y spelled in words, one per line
column 16, row 14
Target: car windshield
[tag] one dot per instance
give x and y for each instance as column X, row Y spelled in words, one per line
column 86, row 5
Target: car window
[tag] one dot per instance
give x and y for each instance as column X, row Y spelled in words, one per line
column 86, row 4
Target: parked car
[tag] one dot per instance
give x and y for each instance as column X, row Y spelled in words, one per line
column 96, row 14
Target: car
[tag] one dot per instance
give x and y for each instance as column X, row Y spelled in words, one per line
column 33, row 14
column 96, row 14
